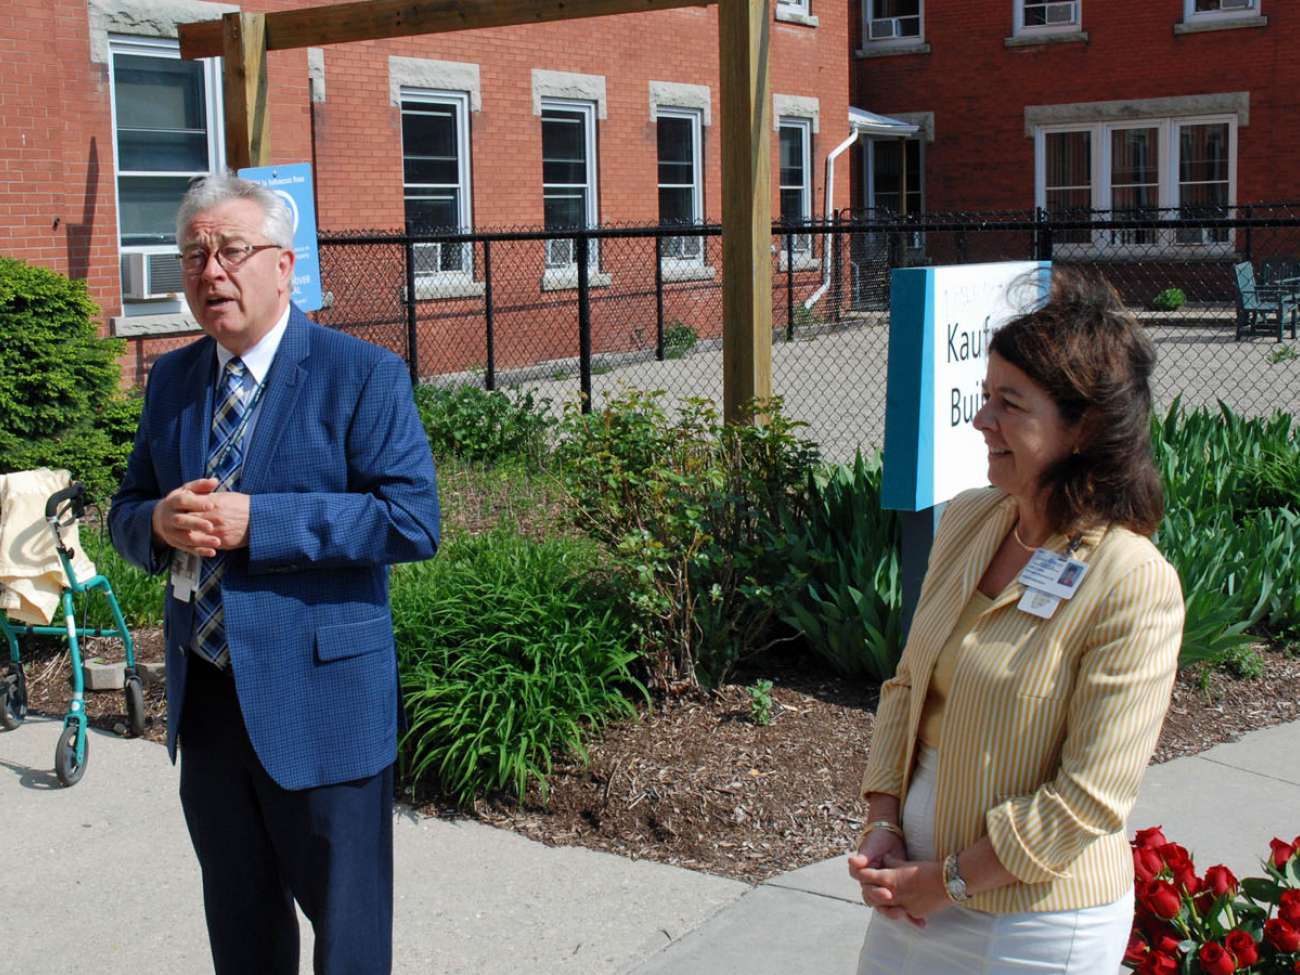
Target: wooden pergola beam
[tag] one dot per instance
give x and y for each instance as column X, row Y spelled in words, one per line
column 369, row 20
column 244, row 83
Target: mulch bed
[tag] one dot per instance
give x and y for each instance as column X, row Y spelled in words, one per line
column 696, row 783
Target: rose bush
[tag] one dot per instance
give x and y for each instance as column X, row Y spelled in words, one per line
column 1187, row 923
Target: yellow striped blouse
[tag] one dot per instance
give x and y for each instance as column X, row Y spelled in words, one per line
column 1049, row 724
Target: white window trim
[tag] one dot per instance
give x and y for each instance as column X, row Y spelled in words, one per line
column 1192, row 15
column 869, row 43
column 796, row 12
column 166, row 48
column 803, row 244
column 440, row 283
column 1167, row 142
column 589, row 111
column 695, row 117
column 1021, row 30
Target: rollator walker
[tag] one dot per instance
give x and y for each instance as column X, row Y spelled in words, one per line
column 72, row 753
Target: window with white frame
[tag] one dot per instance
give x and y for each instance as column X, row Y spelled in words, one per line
column 436, row 178
column 568, row 175
column 796, row 179
column 890, row 162
column 1211, row 10
column 794, row 6
column 893, row 21
column 1048, row 16
column 681, row 176
column 166, row 131
column 1139, row 169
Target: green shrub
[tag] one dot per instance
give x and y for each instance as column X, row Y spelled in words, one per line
column 687, row 507
column 59, row 402
column 843, row 588
column 510, row 651
column 139, row 595
column 1171, row 299
column 484, row 425
column 679, row 339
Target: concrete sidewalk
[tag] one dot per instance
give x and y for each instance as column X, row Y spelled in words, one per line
column 103, row 874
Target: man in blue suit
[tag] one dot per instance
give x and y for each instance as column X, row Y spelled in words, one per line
column 278, row 470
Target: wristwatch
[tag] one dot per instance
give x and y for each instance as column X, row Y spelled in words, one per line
column 953, row 882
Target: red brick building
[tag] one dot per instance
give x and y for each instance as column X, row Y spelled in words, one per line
column 1067, row 104
column 102, row 126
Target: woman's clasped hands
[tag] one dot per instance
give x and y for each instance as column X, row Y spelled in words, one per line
column 894, row 886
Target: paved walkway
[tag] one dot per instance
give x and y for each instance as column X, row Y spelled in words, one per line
column 102, row 874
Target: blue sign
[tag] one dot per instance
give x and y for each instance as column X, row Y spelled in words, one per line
column 293, row 184
column 940, row 322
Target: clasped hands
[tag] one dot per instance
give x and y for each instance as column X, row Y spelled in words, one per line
column 893, row 885
column 198, row 518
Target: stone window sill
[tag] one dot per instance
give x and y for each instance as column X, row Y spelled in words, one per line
column 139, row 326
column 686, row 271
column 889, row 51
column 566, row 279
column 792, row 15
column 1227, row 23
column 432, row 288
column 1034, row 40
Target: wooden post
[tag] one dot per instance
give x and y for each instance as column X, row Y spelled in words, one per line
column 743, row 51
column 248, row 126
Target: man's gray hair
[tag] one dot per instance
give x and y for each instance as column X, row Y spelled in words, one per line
column 221, row 188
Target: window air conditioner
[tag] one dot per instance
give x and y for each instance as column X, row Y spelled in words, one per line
column 887, row 27
column 1060, row 13
column 150, row 276
column 1236, row 4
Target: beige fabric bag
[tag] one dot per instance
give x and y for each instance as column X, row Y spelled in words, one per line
column 31, row 576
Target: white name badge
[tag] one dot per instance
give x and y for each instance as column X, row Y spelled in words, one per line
column 1053, row 574
column 185, row 575
column 1038, row 603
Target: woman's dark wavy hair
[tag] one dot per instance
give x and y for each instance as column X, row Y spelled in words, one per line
column 1089, row 353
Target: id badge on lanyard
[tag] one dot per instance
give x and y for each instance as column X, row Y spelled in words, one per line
column 1049, row 578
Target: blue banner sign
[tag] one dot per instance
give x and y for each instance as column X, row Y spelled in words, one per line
column 292, row 183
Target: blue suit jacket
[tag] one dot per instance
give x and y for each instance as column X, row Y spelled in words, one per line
column 342, row 485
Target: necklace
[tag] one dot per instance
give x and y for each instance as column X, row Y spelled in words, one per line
column 1015, row 533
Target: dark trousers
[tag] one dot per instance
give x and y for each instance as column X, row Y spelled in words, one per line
column 261, row 847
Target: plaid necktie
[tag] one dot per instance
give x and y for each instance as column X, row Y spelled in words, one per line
column 225, row 461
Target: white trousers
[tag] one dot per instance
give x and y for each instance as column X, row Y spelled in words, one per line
column 955, row 941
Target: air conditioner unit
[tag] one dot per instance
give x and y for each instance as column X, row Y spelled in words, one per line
column 151, row 276
column 881, row 29
column 1236, row 4
column 1060, row 13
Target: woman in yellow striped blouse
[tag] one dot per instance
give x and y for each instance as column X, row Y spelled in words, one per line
column 1009, row 745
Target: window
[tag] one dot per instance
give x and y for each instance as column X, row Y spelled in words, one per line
column 1047, row 16
column 568, row 176
column 681, row 197
column 166, row 131
column 435, row 178
column 892, row 21
column 793, row 6
column 885, row 177
column 1204, row 10
column 796, row 179
column 1140, row 169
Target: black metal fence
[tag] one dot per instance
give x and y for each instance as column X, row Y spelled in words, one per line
column 577, row 313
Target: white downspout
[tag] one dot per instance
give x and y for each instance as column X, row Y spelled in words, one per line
column 826, row 215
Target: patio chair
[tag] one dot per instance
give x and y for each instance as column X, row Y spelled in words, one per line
column 1257, row 305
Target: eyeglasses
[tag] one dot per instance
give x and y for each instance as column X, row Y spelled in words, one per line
column 231, row 257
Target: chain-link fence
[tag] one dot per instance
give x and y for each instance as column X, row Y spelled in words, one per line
column 566, row 313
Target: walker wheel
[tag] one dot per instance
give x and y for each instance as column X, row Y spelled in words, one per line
column 133, row 691
column 13, row 706
column 65, row 755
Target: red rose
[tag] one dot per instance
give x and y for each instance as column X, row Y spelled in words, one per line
column 1137, row 948
column 1176, row 857
column 1161, row 898
column 1214, row 960
column 1158, row 963
column 1288, row 908
column 1149, row 839
column 1282, row 936
column 1185, row 877
column 1220, row 880
column 1282, row 852
column 1146, row 863
column 1243, row 948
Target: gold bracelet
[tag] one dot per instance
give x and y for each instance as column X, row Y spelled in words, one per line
column 884, row 824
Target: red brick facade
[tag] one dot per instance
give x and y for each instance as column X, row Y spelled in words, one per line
column 978, row 86
column 57, row 180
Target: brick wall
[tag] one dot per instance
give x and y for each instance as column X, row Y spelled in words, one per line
column 978, row 88
column 57, row 201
